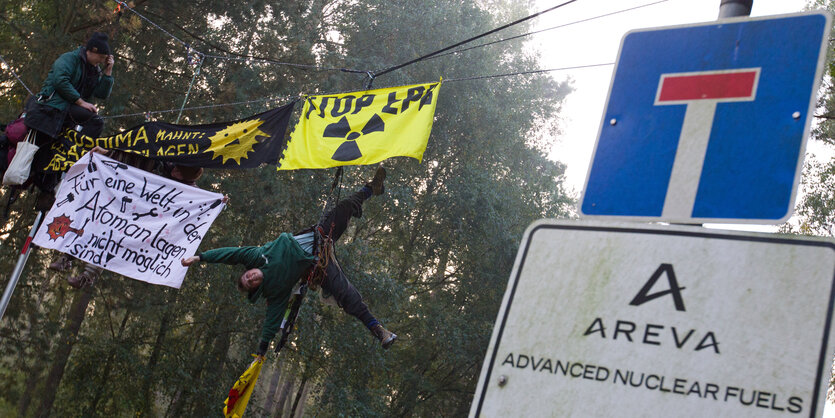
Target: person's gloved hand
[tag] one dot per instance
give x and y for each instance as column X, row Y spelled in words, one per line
column 89, row 106
column 262, row 348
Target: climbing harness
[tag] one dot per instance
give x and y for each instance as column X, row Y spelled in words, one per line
column 322, row 251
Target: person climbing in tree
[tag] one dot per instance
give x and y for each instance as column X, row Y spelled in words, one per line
column 274, row 269
column 64, row 101
column 74, row 79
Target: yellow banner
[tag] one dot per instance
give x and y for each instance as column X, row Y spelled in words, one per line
column 235, row 404
column 362, row 127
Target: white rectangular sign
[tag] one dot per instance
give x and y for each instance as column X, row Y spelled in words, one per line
column 607, row 319
column 127, row 220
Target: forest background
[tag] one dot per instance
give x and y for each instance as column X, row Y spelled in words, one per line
column 431, row 257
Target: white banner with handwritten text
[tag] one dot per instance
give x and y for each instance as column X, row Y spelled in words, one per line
column 127, row 220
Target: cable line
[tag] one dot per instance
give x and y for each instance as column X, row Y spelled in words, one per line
column 528, row 72
column 154, row 24
column 399, row 66
column 16, row 76
column 188, row 92
column 152, row 112
column 267, row 99
column 547, row 29
column 221, row 57
column 290, row 64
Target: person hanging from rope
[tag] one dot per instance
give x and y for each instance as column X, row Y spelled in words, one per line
column 64, row 101
column 274, row 269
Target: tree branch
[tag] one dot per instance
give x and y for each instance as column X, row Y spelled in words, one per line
column 216, row 46
column 99, row 22
column 20, row 32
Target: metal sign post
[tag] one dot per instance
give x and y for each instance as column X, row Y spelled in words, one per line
column 18, row 269
column 735, row 8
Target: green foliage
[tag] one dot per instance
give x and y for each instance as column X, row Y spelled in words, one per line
column 814, row 211
column 431, row 256
column 824, row 128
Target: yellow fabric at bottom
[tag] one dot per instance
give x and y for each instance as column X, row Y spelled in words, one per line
column 242, row 390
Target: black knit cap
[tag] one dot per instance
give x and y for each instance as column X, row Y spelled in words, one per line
column 98, row 44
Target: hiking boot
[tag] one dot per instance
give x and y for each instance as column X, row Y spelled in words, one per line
column 86, row 278
column 385, row 336
column 376, row 184
column 82, row 280
column 61, row 263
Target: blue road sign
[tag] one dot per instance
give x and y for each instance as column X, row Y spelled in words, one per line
column 708, row 122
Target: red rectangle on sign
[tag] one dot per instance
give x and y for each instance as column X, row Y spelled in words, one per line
column 708, row 86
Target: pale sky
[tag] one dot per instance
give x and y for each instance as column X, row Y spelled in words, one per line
column 596, row 42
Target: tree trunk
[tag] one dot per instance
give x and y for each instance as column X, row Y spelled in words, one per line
column 269, row 403
column 33, row 375
column 32, row 379
column 181, row 396
column 68, row 338
column 177, row 400
column 147, row 393
column 303, row 402
column 184, row 402
column 282, row 397
column 107, row 369
column 211, row 369
column 302, row 385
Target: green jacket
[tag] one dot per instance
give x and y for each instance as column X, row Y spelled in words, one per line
column 66, row 73
column 282, row 261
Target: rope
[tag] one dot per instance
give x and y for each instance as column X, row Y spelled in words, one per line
column 152, row 23
column 399, row 66
column 267, row 99
column 547, row 29
column 16, row 76
column 197, row 107
column 290, row 64
column 323, row 241
column 323, row 253
column 528, row 72
column 337, row 181
column 194, row 76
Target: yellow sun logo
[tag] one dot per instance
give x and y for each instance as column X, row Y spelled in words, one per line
column 236, row 140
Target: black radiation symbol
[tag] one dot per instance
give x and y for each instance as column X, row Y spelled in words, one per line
column 348, row 150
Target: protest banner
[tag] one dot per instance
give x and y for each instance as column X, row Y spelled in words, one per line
column 240, row 144
column 362, row 127
column 127, row 220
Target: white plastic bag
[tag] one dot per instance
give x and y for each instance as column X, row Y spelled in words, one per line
column 18, row 171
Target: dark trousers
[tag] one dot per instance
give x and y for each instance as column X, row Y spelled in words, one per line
column 335, row 282
column 91, row 123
